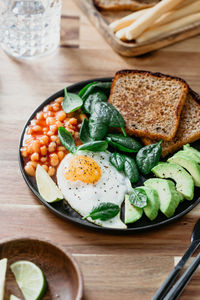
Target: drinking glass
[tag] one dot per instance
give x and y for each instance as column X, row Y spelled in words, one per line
column 29, row 28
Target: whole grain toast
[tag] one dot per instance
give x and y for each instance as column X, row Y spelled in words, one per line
column 189, row 127
column 124, row 4
column 150, row 103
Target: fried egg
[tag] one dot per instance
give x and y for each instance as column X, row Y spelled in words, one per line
column 88, row 179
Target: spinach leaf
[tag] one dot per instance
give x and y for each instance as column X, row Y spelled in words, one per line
column 124, row 144
column 131, row 170
column 95, row 87
column 148, row 157
column 108, row 114
column 84, row 132
column 66, row 139
column 71, row 102
column 92, row 99
column 84, row 89
column 138, row 198
column 105, row 211
column 97, row 128
column 117, row 160
column 96, row 146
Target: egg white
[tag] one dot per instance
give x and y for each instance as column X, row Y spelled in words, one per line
column 84, row 197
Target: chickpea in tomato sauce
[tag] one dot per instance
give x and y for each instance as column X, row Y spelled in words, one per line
column 41, row 143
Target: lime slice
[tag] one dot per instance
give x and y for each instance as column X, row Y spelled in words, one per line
column 46, row 186
column 12, row 297
column 3, row 268
column 30, row 279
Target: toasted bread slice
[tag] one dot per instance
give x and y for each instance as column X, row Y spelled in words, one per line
column 150, row 103
column 189, row 127
column 124, row 4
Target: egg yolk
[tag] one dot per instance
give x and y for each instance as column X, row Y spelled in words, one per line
column 83, row 168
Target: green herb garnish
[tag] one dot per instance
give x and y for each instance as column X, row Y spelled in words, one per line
column 95, row 87
column 71, row 102
column 148, row 157
column 84, row 132
column 131, row 170
column 92, row 99
column 105, row 211
column 117, row 160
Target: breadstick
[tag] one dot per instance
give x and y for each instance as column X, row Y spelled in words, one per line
column 165, row 29
column 192, row 8
column 146, row 20
column 128, row 20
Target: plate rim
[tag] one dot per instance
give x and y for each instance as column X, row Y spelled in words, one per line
column 80, row 222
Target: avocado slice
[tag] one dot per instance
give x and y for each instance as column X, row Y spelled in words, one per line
column 132, row 213
column 189, row 164
column 168, row 196
column 191, row 152
column 153, row 204
column 184, row 181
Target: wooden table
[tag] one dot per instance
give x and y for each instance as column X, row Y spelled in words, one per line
column 113, row 267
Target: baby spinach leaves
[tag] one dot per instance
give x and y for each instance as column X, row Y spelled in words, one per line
column 92, row 100
column 105, row 211
column 138, row 198
column 148, row 157
column 127, row 164
column 95, row 87
column 103, row 116
column 122, row 143
column 96, row 146
column 117, row 160
column 71, row 102
column 66, row 139
column 84, row 132
column 130, row 169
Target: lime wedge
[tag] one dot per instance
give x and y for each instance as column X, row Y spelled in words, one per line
column 30, row 279
column 12, row 297
column 3, row 268
column 46, row 186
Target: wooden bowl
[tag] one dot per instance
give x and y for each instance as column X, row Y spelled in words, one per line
column 62, row 273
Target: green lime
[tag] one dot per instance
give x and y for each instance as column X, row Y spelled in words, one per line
column 46, row 186
column 12, row 297
column 3, row 268
column 30, row 279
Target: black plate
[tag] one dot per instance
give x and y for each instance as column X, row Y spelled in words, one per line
column 66, row 212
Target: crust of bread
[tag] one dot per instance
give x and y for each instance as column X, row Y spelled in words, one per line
column 134, row 5
column 178, row 141
column 144, row 132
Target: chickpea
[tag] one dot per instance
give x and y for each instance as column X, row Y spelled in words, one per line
column 35, row 156
column 52, row 147
column 61, row 115
column 60, row 154
column 40, row 115
column 51, row 171
column 36, row 146
column 24, row 152
column 50, row 133
column 34, row 164
column 30, row 150
column 43, row 159
column 43, row 150
column 45, row 167
column 54, row 160
column 29, row 130
column 29, row 169
column 61, row 148
column 50, row 113
column 59, row 124
column 45, row 130
column 37, row 128
column 47, row 108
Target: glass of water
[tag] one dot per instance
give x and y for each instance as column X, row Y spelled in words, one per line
column 29, row 28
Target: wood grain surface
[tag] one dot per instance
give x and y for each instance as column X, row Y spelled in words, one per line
column 114, row 267
column 102, row 19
